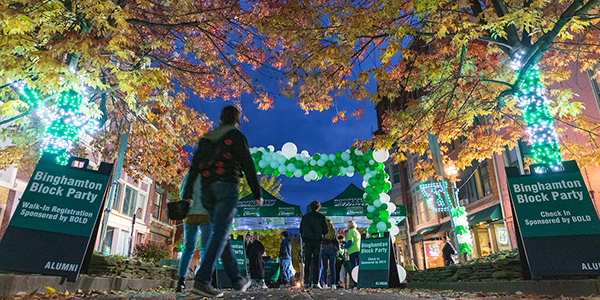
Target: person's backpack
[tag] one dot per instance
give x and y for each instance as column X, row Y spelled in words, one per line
column 213, row 157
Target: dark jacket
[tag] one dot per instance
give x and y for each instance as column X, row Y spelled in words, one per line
column 285, row 250
column 447, row 253
column 233, row 159
column 331, row 243
column 256, row 264
column 312, row 227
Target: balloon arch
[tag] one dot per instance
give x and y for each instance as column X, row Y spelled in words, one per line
column 289, row 162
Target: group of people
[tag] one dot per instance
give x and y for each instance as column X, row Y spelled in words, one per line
column 211, row 187
column 325, row 254
column 255, row 251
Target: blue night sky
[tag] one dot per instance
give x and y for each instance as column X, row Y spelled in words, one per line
column 313, row 132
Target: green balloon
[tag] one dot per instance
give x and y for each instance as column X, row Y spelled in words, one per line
column 338, row 154
column 373, row 181
column 335, row 170
column 369, row 216
column 372, row 229
column 299, row 164
column 386, row 175
column 345, row 164
column 384, row 214
column 365, row 200
column 375, row 196
column 324, row 170
column 378, row 189
column 388, row 224
column 305, row 170
column 384, row 206
column 379, row 166
column 328, row 175
column 362, row 172
column 316, row 156
column 268, row 170
column 369, row 189
column 338, row 161
column 293, row 160
column 329, row 164
column 387, row 186
column 289, row 174
column 361, row 165
column 316, row 168
column 376, row 219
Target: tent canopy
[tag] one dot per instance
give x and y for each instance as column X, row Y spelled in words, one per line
column 348, row 205
column 274, row 214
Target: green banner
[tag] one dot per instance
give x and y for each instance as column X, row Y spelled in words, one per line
column 374, row 263
column 62, row 200
column 555, row 204
column 240, row 255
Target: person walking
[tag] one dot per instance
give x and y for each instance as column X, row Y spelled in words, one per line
column 448, row 251
column 256, row 264
column 329, row 249
column 353, row 245
column 285, row 259
column 220, row 158
column 312, row 228
column 340, row 259
column 196, row 221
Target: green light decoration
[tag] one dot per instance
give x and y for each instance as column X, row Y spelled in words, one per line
column 540, row 124
column 436, row 195
column 290, row 163
column 63, row 121
column 461, row 227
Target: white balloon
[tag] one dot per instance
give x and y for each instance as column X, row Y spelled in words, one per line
column 270, row 147
column 381, row 155
column 371, row 162
column 351, row 170
column 355, row 274
column 289, row 149
column 313, row 162
column 358, row 152
column 331, row 157
column 320, row 162
column 307, row 178
column 298, row 173
column 281, row 159
column 377, row 203
column 343, row 170
column 391, row 207
column 393, row 238
column 274, row 164
column 366, row 177
column 370, row 208
column 261, row 149
column 350, row 174
column 364, row 184
column 385, row 198
column 305, row 153
column 394, row 230
column 365, row 195
column 401, row 273
column 313, row 174
column 381, row 226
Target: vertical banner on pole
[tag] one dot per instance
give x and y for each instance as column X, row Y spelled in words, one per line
column 50, row 230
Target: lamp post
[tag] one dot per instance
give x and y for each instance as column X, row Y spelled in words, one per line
column 451, row 172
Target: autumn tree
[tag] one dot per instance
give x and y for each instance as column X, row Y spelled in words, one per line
column 449, row 63
column 135, row 62
column 270, row 183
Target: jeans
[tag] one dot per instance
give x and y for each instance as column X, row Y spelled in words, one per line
column 220, row 199
column 286, row 270
column 328, row 255
column 190, row 233
column 312, row 251
column 353, row 262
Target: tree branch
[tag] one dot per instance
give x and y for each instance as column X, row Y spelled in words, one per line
column 164, row 26
column 501, row 10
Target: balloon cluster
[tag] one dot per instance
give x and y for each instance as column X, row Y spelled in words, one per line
column 289, row 162
column 461, row 226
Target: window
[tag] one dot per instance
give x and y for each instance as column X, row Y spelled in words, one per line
column 422, row 211
column 124, row 243
column 129, row 201
column 474, row 184
column 395, row 174
column 511, row 157
column 141, row 205
column 157, row 205
column 108, row 241
column 117, row 198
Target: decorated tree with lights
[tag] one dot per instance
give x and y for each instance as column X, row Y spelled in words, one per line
column 134, row 63
column 445, row 66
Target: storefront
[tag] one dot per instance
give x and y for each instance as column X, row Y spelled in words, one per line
column 489, row 231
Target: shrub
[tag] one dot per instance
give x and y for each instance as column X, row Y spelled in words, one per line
column 152, row 252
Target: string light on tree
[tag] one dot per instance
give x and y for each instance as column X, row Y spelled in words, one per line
column 540, row 124
column 436, row 195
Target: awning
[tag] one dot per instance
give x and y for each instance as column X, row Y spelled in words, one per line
column 488, row 214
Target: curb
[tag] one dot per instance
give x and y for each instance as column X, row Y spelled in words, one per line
column 13, row 284
column 573, row 288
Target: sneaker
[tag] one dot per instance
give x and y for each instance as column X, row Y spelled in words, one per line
column 319, row 286
column 333, row 287
column 306, row 286
column 242, row 285
column 180, row 286
column 205, row 290
column 324, row 287
column 264, row 287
